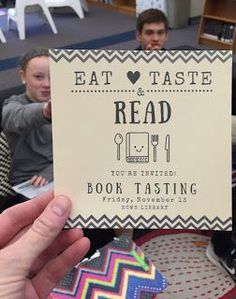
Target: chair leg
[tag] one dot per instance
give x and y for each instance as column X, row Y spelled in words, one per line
column 50, row 20
column 2, row 37
column 21, row 24
column 8, row 23
column 84, row 5
column 78, row 8
column 10, row 12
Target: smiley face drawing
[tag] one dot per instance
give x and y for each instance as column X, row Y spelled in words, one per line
column 137, row 147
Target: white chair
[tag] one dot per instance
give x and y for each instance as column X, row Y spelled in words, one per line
column 17, row 15
column 76, row 5
column 2, row 37
column 84, row 5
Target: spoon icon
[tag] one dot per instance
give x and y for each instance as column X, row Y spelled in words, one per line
column 118, row 140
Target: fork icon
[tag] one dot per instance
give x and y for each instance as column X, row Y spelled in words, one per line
column 154, row 142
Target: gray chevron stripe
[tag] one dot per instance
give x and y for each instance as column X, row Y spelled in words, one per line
column 135, row 56
column 152, row 222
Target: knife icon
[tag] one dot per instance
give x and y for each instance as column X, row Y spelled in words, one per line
column 167, row 148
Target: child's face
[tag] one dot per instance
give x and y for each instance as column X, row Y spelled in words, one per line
column 153, row 36
column 37, row 79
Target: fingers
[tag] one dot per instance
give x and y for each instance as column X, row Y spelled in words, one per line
column 44, row 230
column 149, row 47
column 38, row 181
column 55, row 270
column 17, row 217
column 64, row 240
column 152, row 47
column 33, row 179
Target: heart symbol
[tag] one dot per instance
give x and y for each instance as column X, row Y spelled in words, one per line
column 133, row 76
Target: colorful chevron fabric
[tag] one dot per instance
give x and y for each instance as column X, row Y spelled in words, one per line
column 120, row 272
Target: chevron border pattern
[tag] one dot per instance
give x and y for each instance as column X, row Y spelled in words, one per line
column 153, row 222
column 116, row 273
column 123, row 55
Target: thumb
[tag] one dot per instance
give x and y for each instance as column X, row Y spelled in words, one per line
column 149, row 47
column 47, row 110
column 45, row 228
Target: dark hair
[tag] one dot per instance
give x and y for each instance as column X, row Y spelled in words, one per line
column 151, row 16
column 36, row 52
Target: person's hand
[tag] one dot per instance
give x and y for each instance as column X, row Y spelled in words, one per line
column 47, row 110
column 152, row 47
column 38, row 181
column 34, row 253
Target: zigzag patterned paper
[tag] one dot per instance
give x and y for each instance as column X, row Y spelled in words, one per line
column 117, row 273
